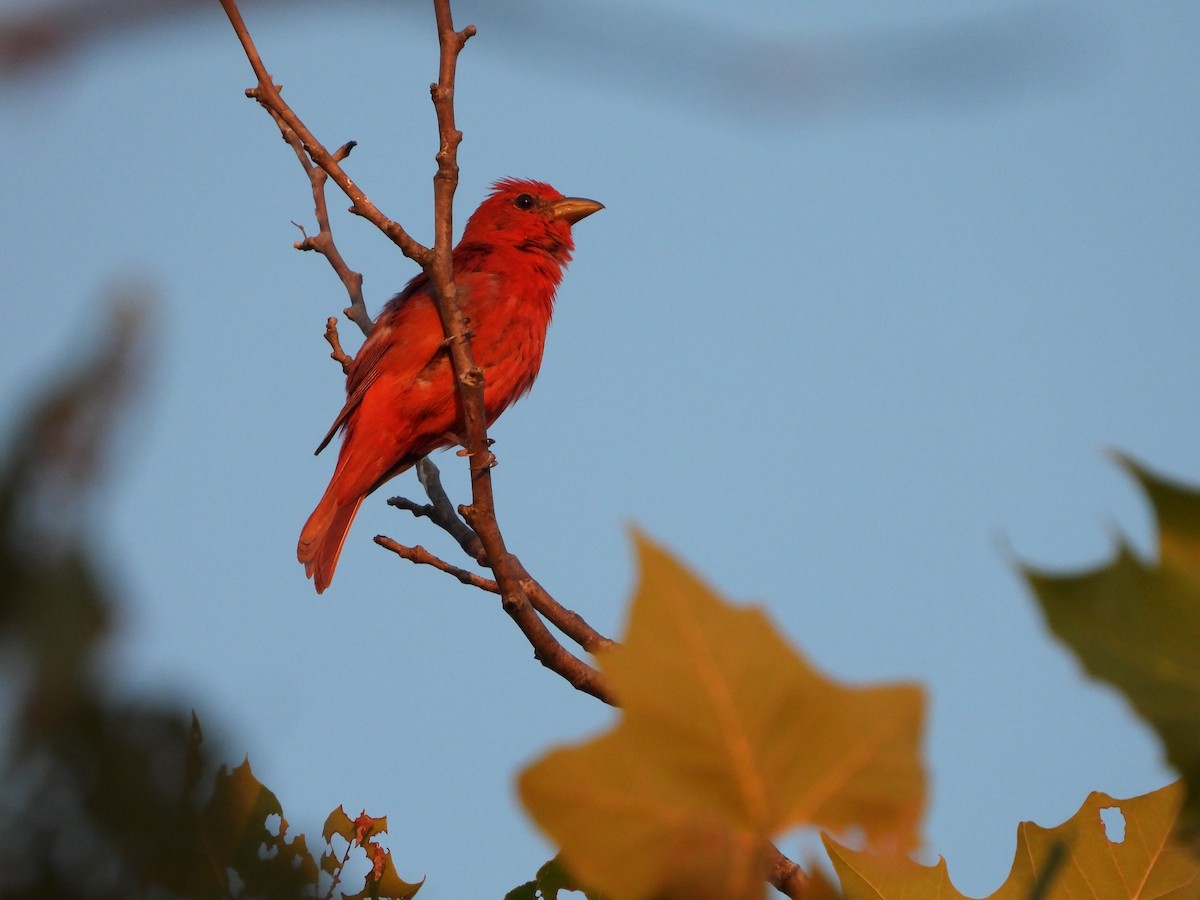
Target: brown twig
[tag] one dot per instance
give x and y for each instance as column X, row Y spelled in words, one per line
column 322, row 242
column 421, row 556
column 469, row 381
column 785, row 875
column 440, row 510
column 565, row 620
column 267, row 94
column 337, row 354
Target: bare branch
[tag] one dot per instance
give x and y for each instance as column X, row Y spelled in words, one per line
column 786, row 876
column 565, row 620
column 267, row 94
column 469, row 381
column 421, row 556
column 322, row 242
column 440, row 510
column 444, row 515
column 338, row 355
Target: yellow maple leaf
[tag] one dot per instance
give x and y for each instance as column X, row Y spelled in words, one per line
column 1074, row 861
column 727, row 738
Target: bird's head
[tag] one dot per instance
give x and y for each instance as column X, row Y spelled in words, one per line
column 529, row 216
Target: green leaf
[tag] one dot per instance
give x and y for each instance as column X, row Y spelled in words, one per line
column 234, row 820
column 526, row 891
column 551, row 878
column 1135, row 624
column 236, row 838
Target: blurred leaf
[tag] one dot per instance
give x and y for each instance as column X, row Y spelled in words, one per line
column 90, row 783
column 100, row 795
column 54, row 601
column 819, row 886
column 1081, row 860
column 235, row 817
column 727, row 737
column 235, row 838
column 1136, row 624
column 977, row 56
column 551, row 878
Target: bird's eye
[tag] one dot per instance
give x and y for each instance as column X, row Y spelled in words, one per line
column 525, row 201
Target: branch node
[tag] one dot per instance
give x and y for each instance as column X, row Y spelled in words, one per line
column 338, row 354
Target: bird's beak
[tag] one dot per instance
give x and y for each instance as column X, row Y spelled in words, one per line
column 572, row 209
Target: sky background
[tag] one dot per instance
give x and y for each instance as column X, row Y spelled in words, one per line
column 876, row 288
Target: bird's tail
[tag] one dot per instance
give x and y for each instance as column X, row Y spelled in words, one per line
column 324, row 534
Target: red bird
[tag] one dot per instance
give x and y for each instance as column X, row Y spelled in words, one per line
column 401, row 404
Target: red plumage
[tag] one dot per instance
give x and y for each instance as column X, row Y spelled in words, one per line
column 401, row 403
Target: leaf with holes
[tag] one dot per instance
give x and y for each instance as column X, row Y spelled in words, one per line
column 236, row 837
column 1075, row 861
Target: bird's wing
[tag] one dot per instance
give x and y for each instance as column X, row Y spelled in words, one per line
column 365, row 368
column 363, row 372
column 406, row 338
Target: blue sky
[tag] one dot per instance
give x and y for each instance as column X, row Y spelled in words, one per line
column 876, row 286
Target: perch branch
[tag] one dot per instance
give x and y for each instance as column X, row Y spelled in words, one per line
column 437, row 263
column 440, row 510
column 477, row 531
column 469, row 381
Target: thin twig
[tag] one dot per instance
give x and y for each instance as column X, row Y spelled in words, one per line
column 338, row 354
column 444, row 515
column 569, row 622
column 322, row 242
column 421, row 556
column 440, row 510
column 267, row 94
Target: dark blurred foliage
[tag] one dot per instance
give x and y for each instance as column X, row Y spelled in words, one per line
column 100, row 796
column 754, row 72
